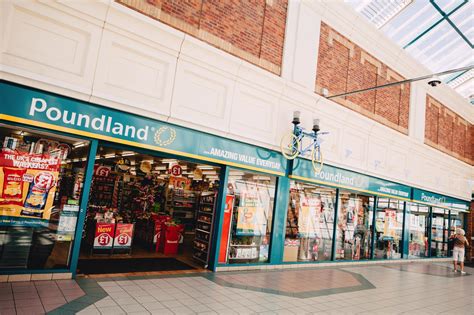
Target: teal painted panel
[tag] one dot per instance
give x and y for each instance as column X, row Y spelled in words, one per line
column 439, row 200
column 279, row 220
column 346, row 179
column 47, row 110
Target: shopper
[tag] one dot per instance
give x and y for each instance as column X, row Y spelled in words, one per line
column 460, row 242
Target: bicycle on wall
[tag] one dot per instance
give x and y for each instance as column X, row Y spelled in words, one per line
column 292, row 143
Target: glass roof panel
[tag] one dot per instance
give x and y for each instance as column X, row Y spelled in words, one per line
column 420, row 28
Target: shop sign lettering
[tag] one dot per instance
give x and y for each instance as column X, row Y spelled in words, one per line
column 439, row 200
column 351, row 180
column 103, row 123
column 30, row 106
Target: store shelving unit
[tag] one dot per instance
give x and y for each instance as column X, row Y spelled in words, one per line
column 182, row 205
column 204, row 227
column 102, row 191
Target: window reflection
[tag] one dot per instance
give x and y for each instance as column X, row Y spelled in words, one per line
column 310, row 223
column 41, row 178
column 354, row 226
column 253, row 198
column 417, row 225
column 388, row 228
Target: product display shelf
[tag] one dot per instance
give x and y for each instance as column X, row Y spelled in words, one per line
column 102, row 191
column 182, row 205
column 204, row 227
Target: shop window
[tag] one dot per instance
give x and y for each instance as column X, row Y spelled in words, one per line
column 149, row 207
column 417, row 225
column 354, row 226
column 389, row 229
column 252, row 198
column 41, row 180
column 309, row 223
column 439, row 233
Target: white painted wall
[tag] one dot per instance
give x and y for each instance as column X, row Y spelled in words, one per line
column 107, row 54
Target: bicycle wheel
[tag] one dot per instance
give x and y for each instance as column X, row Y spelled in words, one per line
column 317, row 159
column 290, row 146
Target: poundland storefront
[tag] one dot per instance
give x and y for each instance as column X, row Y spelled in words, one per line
column 88, row 189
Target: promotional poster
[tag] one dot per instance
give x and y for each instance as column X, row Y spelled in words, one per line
column 27, row 187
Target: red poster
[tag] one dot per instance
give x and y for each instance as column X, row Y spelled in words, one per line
column 229, row 203
column 123, row 235
column 104, row 235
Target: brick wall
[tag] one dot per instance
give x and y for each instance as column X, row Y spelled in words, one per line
column 448, row 132
column 252, row 30
column 343, row 66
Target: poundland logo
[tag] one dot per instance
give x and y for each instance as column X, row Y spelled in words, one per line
column 432, row 199
column 104, row 123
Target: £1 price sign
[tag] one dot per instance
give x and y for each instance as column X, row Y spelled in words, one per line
column 123, row 235
column 104, row 235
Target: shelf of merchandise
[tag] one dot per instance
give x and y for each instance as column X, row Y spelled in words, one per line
column 182, row 205
column 207, row 201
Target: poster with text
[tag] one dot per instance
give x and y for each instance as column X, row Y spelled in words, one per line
column 104, row 235
column 308, row 221
column 27, row 187
column 251, row 221
column 67, row 225
column 123, row 235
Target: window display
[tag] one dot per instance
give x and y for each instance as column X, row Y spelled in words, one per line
column 252, row 213
column 439, row 233
column 354, row 226
column 41, row 179
column 149, row 206
column 417, row 225
column 389, row 229
column 309, row 223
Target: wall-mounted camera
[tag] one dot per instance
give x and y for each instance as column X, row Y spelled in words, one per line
column 434, row 81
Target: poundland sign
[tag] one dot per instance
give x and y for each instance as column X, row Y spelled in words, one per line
column 33, row 107
column 338, row 177
column 438, row 200
column 39, row 109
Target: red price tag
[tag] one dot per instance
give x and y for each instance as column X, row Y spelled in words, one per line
column 176, row 170
column 122, row 239
column 104, row 239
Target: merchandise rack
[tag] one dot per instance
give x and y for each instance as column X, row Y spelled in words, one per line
column 204, row 227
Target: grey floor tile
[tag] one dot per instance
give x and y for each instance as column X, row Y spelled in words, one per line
column 111, row 310
column 107, row 301
column 171, row 304
column 125, row 301
column 182, row 310
column 151, row 306
column 145, row 298
column 130, row 308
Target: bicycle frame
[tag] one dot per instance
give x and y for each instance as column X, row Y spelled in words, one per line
column 300, row 134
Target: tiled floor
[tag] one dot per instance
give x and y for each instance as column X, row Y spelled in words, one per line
column 37, row 297
column 375, row 289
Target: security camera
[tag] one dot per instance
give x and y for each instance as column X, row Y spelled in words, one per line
column 434, row 81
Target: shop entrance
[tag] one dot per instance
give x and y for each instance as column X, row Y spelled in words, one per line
column 148, row 213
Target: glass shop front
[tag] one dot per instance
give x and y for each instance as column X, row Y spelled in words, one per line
column 148, row 212
column 77, row 194
column 41, row 182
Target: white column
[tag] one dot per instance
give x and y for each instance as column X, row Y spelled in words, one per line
column 300, row 52
column 417, row 113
